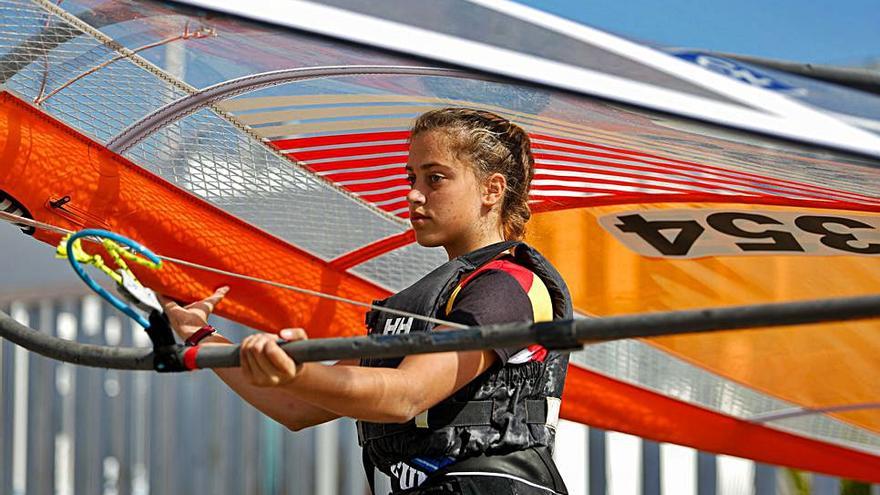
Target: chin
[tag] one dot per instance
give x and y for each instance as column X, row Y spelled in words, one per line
column 425, row 239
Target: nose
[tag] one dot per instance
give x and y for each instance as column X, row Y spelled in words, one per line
column 415, row 197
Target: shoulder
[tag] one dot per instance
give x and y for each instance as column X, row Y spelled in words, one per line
column 491, row 296
column 500, row 275
column 505, row 268
column 499, row 292
column 502, row 291
column 502, row 271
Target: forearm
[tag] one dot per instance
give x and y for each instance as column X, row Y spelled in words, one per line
column 385, row 395
column 389, row 395
column 275, row 402
column 311, row 393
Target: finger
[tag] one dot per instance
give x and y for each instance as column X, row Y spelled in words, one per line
column 249, row 368
column 178, row 317
column 201, row 309
column 213, row 299
column 280, row 360
column 293, row 334
column 258, row 377
column 262, row 363
column 244, row 362
column 167, row 303
column 207, row 304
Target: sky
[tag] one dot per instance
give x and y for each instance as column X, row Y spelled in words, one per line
column 846, row 32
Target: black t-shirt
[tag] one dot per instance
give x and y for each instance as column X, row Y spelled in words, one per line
column 503, row 292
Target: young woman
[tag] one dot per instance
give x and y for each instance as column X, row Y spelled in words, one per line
column 453, row 422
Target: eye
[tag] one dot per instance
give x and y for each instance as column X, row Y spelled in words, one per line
column 411, row 179
column 435, row 178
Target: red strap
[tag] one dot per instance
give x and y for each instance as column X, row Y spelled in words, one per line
column 189, row 357
column 200, row 334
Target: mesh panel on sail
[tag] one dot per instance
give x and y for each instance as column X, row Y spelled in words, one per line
column 642, row 364
column 203, row 153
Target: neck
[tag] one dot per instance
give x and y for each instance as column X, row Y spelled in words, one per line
column 472, row 244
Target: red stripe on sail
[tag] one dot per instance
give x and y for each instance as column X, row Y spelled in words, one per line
column 597, row 400
column 357, row 163
column 361, row 137
column 765, row 183
column 307, row 155
column 698, row 167
column 373, row 250
column 618, row 175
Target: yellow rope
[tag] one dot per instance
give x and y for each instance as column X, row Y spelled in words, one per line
column 117, row 253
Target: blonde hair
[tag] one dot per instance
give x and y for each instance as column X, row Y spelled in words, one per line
column 494, row 145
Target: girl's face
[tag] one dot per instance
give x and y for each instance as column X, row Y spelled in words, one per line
column 448, row 205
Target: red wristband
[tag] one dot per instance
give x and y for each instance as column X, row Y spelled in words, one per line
column 200, row 335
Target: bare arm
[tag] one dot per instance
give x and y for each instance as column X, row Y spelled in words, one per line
column 390, row 395
column 394, row 395
column 284, row 407
column 280, row 405
column 301, row 395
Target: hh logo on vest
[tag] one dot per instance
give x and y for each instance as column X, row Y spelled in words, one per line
column 397, row 326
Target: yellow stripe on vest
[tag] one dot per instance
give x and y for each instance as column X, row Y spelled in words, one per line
column 542, row 306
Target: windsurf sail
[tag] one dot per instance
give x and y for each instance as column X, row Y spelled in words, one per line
column 662, row 184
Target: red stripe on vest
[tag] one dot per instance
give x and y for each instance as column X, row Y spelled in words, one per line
column 521, row 274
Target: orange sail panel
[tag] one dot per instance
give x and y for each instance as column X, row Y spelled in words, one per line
column 614, row 262
column 45, row 161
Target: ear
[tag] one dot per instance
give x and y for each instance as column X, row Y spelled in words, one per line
column 493, row 189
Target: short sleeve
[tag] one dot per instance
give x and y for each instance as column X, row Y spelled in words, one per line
column 491, row 297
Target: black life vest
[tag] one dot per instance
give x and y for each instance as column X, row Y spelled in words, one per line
column 505, row 409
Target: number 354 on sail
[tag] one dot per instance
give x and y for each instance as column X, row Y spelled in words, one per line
column 695, row 233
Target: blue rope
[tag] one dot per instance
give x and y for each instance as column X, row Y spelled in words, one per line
column 111, row 298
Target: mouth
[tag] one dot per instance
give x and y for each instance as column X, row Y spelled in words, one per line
column 418, row 217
